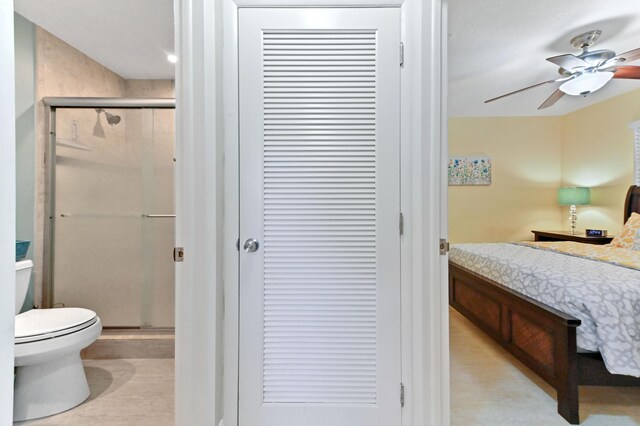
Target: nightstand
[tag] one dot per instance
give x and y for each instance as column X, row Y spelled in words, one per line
column 568, row 236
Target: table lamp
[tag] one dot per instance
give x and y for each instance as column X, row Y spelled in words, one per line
column 574, row 196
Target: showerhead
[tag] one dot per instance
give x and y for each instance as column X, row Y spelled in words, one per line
column 111, row 119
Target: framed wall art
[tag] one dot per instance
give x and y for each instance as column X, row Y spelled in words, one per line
column 469, row 170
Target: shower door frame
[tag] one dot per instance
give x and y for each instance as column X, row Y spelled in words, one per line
column 51, row 105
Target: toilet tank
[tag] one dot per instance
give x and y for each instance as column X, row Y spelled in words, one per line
column 23, row 276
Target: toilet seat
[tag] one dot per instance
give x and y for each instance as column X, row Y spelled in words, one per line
column 43, row 324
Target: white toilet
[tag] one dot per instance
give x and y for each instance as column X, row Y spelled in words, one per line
column 49, row 373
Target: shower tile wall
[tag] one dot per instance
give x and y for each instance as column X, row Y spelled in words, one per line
column 64, row 71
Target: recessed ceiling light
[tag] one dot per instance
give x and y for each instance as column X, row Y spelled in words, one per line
column 172, row 58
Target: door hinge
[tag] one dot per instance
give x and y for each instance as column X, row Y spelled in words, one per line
column 238, row 244
column 444, row 246
column 401, row 54
column 401, row 224
column 178, row 254
column 401, row 394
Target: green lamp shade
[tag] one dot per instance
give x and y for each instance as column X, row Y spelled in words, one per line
column 579, row 196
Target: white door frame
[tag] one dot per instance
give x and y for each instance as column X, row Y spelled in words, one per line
column 207, row 207
column 7, row 211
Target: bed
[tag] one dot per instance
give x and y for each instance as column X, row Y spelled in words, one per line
column 540, row 327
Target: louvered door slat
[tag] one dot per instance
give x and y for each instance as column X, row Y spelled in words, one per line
column 319, row 379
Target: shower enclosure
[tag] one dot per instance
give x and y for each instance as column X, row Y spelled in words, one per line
column 109, row 233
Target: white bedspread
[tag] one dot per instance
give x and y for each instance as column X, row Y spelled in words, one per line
column 605, row 297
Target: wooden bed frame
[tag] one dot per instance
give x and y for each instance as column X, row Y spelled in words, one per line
column 542, row 337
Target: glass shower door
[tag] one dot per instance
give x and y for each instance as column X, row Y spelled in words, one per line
column 114, row 229
column 158, row 221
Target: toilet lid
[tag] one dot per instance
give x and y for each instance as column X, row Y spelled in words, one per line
column 40, row 324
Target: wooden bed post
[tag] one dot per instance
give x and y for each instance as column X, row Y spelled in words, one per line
column 567, row 374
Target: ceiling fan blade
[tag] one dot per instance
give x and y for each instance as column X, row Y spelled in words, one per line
column 629, row 56
column 568, row 61
column 555, row 96
column 631, row 71
column 518, row 91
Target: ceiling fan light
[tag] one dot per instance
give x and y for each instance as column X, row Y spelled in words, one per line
column 586, row 83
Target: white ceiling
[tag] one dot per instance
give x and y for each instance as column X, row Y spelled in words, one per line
column 130, row 37
column 495, row 46
column 498, row 46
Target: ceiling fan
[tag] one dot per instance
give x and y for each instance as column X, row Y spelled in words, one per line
column 587, row 72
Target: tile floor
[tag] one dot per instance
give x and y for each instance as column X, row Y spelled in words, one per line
column 489, row 387
column 124, row 392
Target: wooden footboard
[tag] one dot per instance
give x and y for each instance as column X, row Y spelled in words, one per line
column 543, row 338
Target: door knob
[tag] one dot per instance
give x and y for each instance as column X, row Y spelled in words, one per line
column 251, row 245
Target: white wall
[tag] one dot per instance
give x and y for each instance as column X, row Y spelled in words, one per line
column 25, row 57
column 7, row 210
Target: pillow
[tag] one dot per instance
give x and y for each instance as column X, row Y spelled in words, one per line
column 629, row 236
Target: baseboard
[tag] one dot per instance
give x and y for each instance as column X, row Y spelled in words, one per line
column 124, row 344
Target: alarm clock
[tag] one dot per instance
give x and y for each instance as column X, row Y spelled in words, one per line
column 596, row 232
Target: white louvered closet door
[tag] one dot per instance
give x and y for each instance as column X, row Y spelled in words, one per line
column 319, row 191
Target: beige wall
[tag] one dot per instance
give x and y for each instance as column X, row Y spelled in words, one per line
column 62, row 70
column 149, row 88
column 525, row 154
column 532, row 157
column 597, row 151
